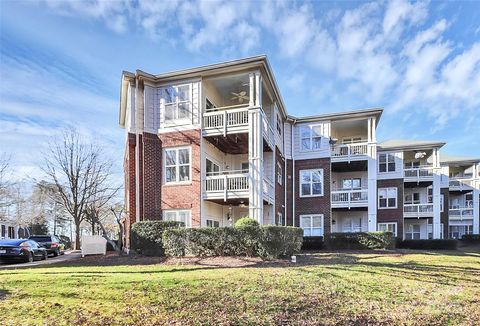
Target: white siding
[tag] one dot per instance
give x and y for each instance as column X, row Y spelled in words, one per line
column 398, row 173
column 287, row 134
column 324, row 150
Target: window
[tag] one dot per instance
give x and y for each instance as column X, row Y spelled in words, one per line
column 386, row 163
column 412, row 232
column 279, row 125
column 279, row 173
column 412, row 165
column 388, row 227
column 312, row 225
column 387, row 197
column 211, row 168
column 430, row 231
column 311, row 137
column 352, row 224
column 177, row 165
column 184, row 216
column 279, row 220
column 11, row 232
column 177, row 102
column 245, row 167
column 213, row 224
column 311, row 183
column 469, row 200
column 430, row 195
column 351, row 140
column 352, row 183
column 412, row 198
column 442, row 198
column 4, row 231
column 458, row 231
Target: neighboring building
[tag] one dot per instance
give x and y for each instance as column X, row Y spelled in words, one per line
column 212, row 144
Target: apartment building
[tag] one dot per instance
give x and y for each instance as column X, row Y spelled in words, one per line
column 212, row 144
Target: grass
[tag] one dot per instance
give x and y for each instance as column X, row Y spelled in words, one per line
column 322, row 288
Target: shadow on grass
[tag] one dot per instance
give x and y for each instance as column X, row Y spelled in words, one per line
column 3, row 294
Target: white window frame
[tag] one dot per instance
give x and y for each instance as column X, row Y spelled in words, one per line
column 387, row 155
column 311, row 137
column 311, row 182
column 311, row 227
column 387, row 197
column 279, row 125
column 442, row 198
column 176, row 103
column 352, row 140
column 188, row 221
column 177, row 165
column 350, row 228
column 279, row 173
column 212, row 222
column 409, row 227
column 351, row 180
column 386, row 224
column 215, row 165
column 279, row 220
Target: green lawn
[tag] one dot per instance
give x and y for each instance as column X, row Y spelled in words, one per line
column 323, row 288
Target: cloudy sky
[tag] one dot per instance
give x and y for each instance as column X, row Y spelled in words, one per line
column 61, row 63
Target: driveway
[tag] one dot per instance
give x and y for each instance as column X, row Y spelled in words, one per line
column 69, row 255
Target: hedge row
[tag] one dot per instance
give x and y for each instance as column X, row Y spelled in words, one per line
column 360, row 240
column 471, row 238
column 442, row 244
column 266, row 241
column 146, row 236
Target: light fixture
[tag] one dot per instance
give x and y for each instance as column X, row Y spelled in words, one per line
column 229, row 214
column 333, row 141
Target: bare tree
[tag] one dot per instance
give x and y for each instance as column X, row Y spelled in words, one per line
column 79, row 172
column 117, row 212
column 4, row 183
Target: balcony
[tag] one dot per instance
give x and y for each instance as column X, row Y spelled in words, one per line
column 226, row 185
column 461, row 184
column 348, row 198
column 268, row 190
column 418, row 210
column 349, row 152
column 418, row 174
column 460, row 213
column 226, row 120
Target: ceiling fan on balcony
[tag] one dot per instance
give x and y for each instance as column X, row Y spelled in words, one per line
column 240, row 96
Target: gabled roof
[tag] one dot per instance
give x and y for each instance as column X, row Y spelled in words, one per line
column 409, row 144
column 450, row 159
column 340, row 115
column 258, row 62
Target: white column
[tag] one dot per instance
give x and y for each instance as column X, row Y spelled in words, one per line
column 258, row 89
column 255, row 159
column 476, row 200
column 252, row 89
column 372, row 177
column 436, row 194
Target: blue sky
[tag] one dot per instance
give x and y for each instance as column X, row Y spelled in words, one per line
column 61, row 63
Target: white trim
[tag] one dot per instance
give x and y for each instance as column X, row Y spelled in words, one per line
column 386, row 189
column 386, row 163
column 177, row 167
column 386, row 224
column 310, row 228
column 188, row 222
column 311, row 187
column 310, row 127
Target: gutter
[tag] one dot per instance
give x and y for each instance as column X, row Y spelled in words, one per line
column 293, row 174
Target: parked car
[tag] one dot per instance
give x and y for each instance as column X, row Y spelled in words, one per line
column 22, row 249
column 51, row 243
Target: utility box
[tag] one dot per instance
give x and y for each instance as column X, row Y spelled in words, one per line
column 93, row 245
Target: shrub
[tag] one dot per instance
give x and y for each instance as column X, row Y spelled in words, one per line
column 440, row 244
column 313, row 243
column 360, row 240
column 246, row 222
column 266, row 242
column 471, row 238
column 146, row 236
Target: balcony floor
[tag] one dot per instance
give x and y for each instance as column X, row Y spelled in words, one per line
column 231, row 143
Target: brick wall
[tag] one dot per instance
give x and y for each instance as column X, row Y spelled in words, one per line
column 289, row 185
column 184, row 196
column 392, row 214
column 129, row 173
column 279, row 188
column 152, row 177
column 444, row 215
column 314, row 205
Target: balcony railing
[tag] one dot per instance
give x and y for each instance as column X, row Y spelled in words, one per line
column 225, row 119
column 422, row 173
column 417, row 210
column 268, row 132
column 349, row 198
column 227, row 184
column 460, row 213
column 461, row 183
column 349, row 151
column 268, row 189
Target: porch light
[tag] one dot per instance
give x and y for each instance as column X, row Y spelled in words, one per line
column 333, row 141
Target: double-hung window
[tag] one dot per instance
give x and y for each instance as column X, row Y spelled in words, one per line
column 311, row 183
column 279, row 173
column 213, row 224
column 412, row 232
column 279, row 125
column 177, row 103
column 412, row 198
column 388, row 227
column 177, row 164
column 179, row 215
column 312, row 225
column 279, row 220
column 211, row 167
column 387, row 197
column 311, row 137
column 386, row 163
column 352, row 183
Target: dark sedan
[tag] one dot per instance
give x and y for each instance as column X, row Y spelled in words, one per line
column 50, row 242
column 22, row 249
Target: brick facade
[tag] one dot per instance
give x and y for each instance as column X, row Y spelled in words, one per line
column 289, row 185
column 392, row 214
column 279, row 188
column 444, row 214
column 314, row 205
column 152, row 177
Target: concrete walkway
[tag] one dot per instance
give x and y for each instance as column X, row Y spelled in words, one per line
column 69, row 255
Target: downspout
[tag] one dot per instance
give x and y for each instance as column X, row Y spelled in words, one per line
column 137, row 157
column 284, row 180
column 292, row 146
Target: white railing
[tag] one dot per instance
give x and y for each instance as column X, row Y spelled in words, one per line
column 268, row 132
column 349, row 197
column 349, row 150
column 226, row 117
column 416, row 210
column 461, row 183
column 419, row 173
column 268, row 189
column 461, row 213
column 223, row 182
